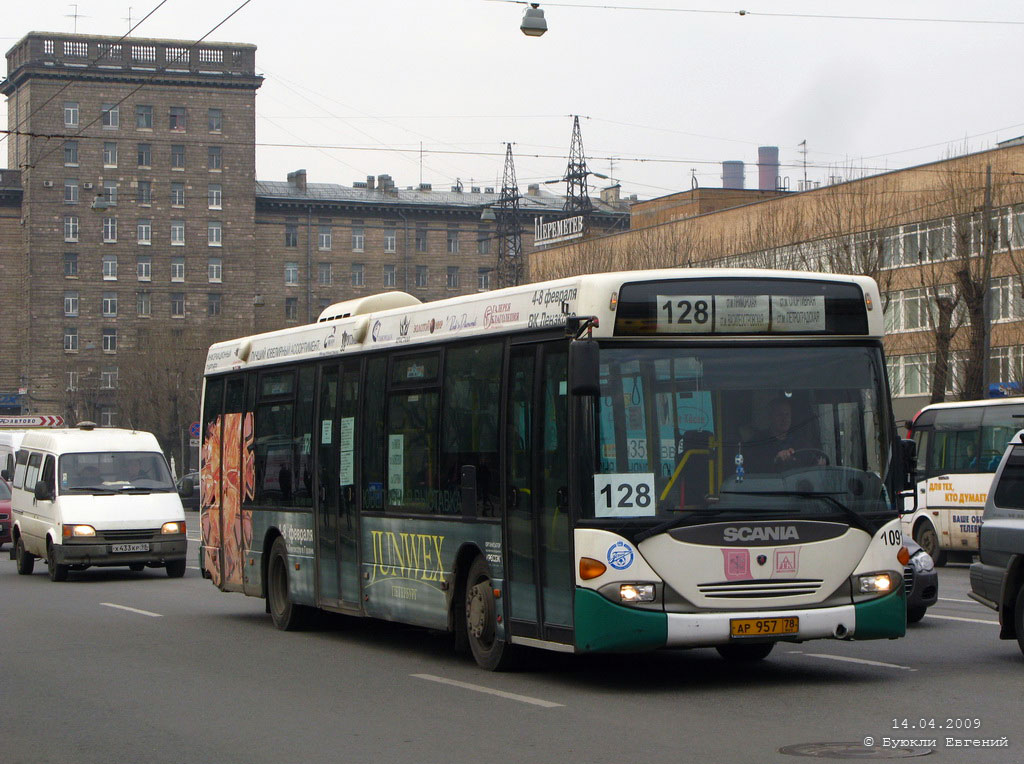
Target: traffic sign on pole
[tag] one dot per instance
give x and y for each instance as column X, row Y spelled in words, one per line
column 32, row 420
column 193, row 430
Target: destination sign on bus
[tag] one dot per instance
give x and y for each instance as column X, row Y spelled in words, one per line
column 740, row 306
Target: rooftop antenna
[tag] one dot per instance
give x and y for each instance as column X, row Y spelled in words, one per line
column 803, row 151
column 74, row 16
column 129, row 19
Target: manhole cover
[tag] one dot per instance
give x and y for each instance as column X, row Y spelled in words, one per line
column 851, row 751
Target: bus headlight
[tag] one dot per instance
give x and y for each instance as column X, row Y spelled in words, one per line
column 922, row 562
column 636, row 592
column 176, row 527
column 875, row 583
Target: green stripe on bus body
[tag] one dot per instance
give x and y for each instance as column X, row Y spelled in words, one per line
column 882, row 618
column 604, row 626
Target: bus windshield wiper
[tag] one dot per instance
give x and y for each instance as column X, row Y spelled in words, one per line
column 854, row 517
column 675, row 522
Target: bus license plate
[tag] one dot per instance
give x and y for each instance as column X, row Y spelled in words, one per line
column 129, row 547
column 763, row 627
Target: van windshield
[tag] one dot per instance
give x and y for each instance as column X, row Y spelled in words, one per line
column 114, row 472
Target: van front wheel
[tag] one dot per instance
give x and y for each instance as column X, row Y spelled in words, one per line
column 1018, row 617
column 23, row 559
column 58, row 572
column 176, row 569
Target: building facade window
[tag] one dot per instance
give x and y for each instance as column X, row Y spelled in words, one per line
column 109, row 305
column 390, row 239
column 291, row 308
column 324, row 274
column 143, row 304
column 71, row 153
column 1005, row 298
column 145, row 192
column 71, row 265
column 177, row 269
column 291, row 234
column 214, row 233
column 145, row 155
column 72, row 381
column 176, row 119
column 70, row 339
column 110, row 340
column 110, row 116
column 177, row 157
column 177, row 233
column 108, row 378
column 483, row 279
column 71, row 114
column 110, row 192
column 110, row 154
column 214, row 158
column 291, row 274
column 358, row 236
column 177, row 194
column 144, row 117
column 71, row 228
column 71, row 191
column 324, row 237
column 421, row 276
column 109, row 230
column 483, row 242
column 357, row 275
column 214, row 120
column 390, row 276
column 177, row 304
column 452, row 277
column 145, row 231
column 213, row 196
column 453, row 241
column 213, row 304
column 110, row 267
column 144, row 268
column 71, row 303
column 214, row 270
column 421, row 239
column 108, row 416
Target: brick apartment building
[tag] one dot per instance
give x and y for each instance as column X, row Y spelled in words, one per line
column 133, row 231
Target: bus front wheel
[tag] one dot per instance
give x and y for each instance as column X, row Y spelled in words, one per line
column 745, row 653
column 928, row 539
column 489, row 651
column 286, row 615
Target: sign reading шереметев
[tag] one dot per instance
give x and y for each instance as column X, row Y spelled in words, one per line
column 557, row 230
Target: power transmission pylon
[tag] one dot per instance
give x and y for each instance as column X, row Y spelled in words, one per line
column 507, row 231
column 576, row 197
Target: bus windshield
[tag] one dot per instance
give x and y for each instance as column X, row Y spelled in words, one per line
column 800, row 430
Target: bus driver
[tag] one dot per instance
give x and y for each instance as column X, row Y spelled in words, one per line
column 782, row 447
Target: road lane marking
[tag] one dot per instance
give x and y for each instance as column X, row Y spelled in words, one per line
column 845, row 659
column 489, row 691
column 193, row 567
column 132, row 610
column 950, row 599
column 966, row 620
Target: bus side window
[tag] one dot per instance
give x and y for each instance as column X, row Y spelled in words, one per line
column 374, row 436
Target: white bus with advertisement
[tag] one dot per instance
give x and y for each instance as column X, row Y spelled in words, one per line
column 959, row 446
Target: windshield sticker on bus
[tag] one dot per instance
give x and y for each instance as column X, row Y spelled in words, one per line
column 620, row 555
column 396, row 467
column 737, row 564
column 412, row 556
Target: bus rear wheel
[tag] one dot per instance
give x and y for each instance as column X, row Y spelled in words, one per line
column 745, row 653
column 1018, row 617
column 489, row 651
column 286, row 615
column 928, row 539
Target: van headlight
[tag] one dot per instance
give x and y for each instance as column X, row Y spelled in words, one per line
column 77, row 531
column 176, row 527
column 875, row 583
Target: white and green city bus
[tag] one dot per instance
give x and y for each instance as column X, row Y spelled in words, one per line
column 570, row 465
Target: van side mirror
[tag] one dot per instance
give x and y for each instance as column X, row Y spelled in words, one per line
column 584, row 368
column 907, row 478
column 186, row 489
column 6, row 475
column 43, row 491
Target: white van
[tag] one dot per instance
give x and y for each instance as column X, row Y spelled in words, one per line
column 9, row 442
column 91, row 496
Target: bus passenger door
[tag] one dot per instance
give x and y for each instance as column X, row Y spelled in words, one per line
column 336, row 512
column 539, row 552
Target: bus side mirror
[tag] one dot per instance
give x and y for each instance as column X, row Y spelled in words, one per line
column 186, row 489
column 583, row 367
column 907, row 488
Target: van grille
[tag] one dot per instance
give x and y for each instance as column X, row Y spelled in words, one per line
column 745, row 589
column 130, row 535
column 908, row 579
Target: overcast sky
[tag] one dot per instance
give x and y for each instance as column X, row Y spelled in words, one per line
column 357, row 88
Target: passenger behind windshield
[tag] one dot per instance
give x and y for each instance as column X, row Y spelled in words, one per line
column 114, row 471
column 782, row 446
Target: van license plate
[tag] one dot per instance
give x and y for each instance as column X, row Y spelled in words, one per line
column 763, row 627
column 129, row 547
